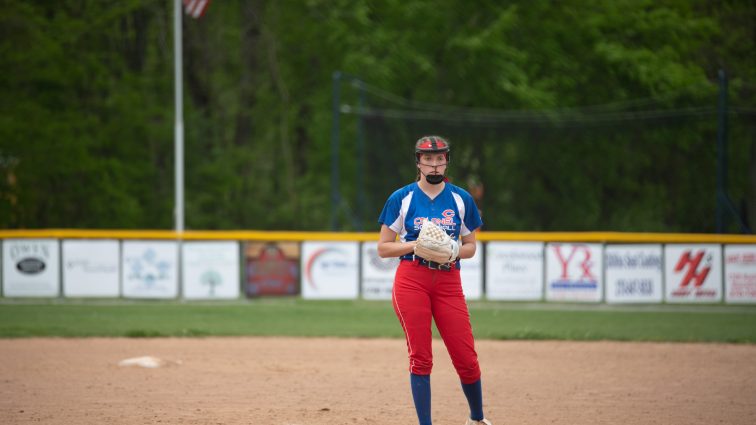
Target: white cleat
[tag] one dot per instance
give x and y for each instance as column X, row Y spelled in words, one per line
column 483, row 422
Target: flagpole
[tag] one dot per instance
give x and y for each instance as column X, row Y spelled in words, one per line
column 179, row 125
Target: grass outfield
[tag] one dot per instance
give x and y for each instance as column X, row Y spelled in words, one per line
column 369, row 319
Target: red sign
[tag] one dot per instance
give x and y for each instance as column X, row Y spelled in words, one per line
column 272, row 268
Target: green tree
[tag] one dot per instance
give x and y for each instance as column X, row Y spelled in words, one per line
column 86, row 111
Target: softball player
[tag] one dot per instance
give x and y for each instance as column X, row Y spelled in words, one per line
column 425, row 290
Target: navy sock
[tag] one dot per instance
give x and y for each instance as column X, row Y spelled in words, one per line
column 421, row 394
column 474, row 395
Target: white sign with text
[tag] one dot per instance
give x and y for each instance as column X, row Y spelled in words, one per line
column 210, row 270
column 31, row 268
column 91, row 268
column 573, row 272
column 330, row 270
column 377, row 273
column 693, row 273
column 740, row 273
column 514, row 271
column 633, row 273
column 471, row 273
column 149, row 269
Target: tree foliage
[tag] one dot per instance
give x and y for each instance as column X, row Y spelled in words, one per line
column 86, row 116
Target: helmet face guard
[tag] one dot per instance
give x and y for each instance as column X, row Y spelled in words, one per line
column 431, row 144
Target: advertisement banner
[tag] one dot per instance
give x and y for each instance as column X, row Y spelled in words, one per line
column 330, row 270
column 210, row 270
column 91, row 268
column 31, row 268
column 471, row 274
column 573, row 272
column 633, row 273
column 514, row 271
column 149, row 269
column 740, row 273
column 693, row 273
column 377, row 273
column 271, row 268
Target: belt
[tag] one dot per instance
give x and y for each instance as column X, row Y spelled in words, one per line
column 430, row 264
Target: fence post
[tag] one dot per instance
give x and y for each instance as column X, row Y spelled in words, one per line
column 361, row 200
column 721, row 151
column 335, row 178
column 725, row 205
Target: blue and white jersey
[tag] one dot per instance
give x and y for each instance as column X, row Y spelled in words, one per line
column 454, row 210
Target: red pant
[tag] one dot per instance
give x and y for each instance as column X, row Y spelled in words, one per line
column 421, row 293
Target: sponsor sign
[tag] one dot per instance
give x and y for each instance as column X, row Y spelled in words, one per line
column 740, row 273
column 210, row 270
column 91, row 268
column 693, row 273
column 31, row 268
column 149, row 269
column 377, row 273
column 330, row 270
column 514, row 271
column 633, row 273
column 573, row 272
column 471, row 274
column 271, row 268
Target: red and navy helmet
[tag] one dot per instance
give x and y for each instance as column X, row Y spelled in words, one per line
column 431, row 144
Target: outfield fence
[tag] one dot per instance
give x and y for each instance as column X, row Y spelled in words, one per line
column 592, row 267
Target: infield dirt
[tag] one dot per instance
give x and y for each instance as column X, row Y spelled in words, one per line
column 303, row 381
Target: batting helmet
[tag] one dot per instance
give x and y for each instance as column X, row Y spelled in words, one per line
column 431, row 144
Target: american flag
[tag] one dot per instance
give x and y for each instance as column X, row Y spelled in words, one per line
column 196, row 8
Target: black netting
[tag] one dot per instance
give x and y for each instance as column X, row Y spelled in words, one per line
column 645, row 165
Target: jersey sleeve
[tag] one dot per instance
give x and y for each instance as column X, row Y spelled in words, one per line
column 391, row 214
column 472, row 218
column 469, row 211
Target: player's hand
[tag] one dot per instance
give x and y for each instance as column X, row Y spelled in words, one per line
column 454, row 250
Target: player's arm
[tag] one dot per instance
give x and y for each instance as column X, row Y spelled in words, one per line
column 388, row 246
column 467, row 249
